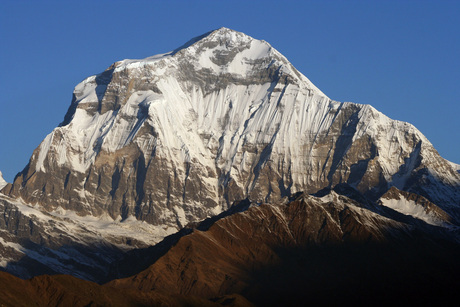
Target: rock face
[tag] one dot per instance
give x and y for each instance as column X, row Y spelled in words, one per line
column 178, row 137
column 35, row 242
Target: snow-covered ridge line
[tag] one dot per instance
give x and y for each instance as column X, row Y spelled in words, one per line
column 139, row 63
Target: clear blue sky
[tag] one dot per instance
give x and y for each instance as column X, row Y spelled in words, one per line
column 402, row 57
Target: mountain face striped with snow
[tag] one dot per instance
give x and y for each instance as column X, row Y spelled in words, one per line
column 178, row 137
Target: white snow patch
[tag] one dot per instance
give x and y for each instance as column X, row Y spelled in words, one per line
column 180, row 213
column 410, row 207
column 15, row 246
column 2, row 181
column 455, row 166
column 140, row 63
column 43, row 152
column 85, row 91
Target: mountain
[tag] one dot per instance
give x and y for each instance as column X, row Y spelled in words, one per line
column 155, row 156
column 178, row 137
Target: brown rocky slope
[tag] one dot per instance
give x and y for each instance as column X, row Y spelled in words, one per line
column 66, row 290
column 318, row 250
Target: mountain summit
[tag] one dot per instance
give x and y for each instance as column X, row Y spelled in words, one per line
column 178, row 137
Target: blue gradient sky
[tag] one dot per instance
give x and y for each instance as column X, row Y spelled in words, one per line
column 402, row 57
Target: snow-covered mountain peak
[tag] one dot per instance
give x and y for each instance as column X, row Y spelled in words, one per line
column 179, row 136
column 232, row 52
column 220, row 46
column 219, row 39
column 226, row 36
column 221, row 53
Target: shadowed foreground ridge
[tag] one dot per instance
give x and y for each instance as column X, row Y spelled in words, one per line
column 66, row 290
column 322, row 250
